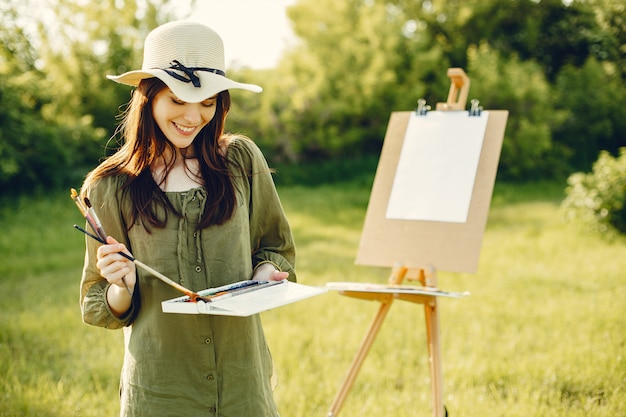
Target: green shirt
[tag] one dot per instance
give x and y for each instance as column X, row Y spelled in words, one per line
column 193, row 365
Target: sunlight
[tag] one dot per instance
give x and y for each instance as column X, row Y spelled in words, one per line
column 255, row 33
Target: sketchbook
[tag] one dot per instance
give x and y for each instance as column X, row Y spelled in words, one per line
column 243, row 299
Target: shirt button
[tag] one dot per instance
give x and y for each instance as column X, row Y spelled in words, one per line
column 209, row 377
column 212, row 410
column 207, row 340
column 195, row 234
column 198, row 268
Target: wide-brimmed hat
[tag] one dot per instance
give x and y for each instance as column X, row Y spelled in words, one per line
column 189, row 58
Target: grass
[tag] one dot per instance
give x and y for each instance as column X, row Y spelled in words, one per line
column 542, row 333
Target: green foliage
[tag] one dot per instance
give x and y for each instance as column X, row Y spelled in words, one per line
column 592, row 99
column 528, row 151
column 598, row 199
column 611, row 20
column 91, row 51
column 355, row 170
column 558, row 67
column 540, row 335
column 332, row 104
column 32, row 150
column 552, row 33
column 339, row 103
column 56, row 107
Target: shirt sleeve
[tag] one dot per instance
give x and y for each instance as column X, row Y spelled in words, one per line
column 105, row 198
column 271, row 238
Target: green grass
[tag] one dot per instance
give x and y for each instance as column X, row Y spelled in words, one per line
column 542, row 333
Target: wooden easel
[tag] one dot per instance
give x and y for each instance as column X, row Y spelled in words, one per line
column 459, row 90
column 452, row 246
column 427, row 278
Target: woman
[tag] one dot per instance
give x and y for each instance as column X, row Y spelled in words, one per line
column 198, row 206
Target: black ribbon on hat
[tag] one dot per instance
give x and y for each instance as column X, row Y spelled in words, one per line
column 189, row 72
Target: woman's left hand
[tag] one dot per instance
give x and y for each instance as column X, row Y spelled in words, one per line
column 267, row 272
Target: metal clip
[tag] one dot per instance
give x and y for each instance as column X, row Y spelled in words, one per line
column 475, row 108
column 422, row 107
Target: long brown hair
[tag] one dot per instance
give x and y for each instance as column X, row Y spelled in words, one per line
column 144, row 143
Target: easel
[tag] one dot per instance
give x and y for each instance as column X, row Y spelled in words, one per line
column 427, row 279
column 459, row 90
column 378, row 229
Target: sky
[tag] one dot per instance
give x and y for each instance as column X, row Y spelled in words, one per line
column 255, row 32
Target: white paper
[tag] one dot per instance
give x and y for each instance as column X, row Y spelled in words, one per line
column 437, row 167
column 245, row 304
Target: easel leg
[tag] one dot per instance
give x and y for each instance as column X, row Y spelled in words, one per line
column 364, row 349
column 434, row 356
column 434, row 347
column 366, row 344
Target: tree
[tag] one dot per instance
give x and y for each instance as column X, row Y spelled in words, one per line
column 528, row 150
column 592, row 100
column 549, row 32
column 30, row 148
column 610, row 47
column 556, row 66
column 57, row 108
column 358, row 60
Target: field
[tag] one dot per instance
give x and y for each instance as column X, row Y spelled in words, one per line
column 542, row 333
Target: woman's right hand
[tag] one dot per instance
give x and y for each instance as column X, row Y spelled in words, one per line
column 118, row 271
column 113, row 266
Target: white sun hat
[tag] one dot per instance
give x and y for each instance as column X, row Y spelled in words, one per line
column 189, row 58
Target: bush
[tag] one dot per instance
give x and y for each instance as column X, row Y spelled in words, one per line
column 357, row 170
column 598, row 199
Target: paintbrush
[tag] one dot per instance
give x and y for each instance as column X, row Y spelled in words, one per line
column 93, row 220
column 192, row 295
column 79, row 204
column 88, row 213
column 97, row 224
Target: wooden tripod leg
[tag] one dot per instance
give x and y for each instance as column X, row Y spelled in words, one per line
column 434, row 352
column 434, row 356
column 366, row 344
column 364, row 349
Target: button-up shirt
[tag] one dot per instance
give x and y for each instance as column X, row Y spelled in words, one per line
column 193, row 365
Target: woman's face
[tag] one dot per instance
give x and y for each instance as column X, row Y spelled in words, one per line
column 180, row 121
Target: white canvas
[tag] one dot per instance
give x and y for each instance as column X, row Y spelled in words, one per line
column 437, row 167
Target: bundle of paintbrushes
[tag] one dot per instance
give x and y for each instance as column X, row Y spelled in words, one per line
column 100, row 235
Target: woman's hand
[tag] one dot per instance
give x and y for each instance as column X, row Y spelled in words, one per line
column 267, row 272
column 119, row 271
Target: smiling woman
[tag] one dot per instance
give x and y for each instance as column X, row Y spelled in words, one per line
column 199, row 206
